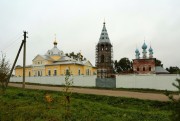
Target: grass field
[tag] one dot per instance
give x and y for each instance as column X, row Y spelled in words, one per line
column 31, row 105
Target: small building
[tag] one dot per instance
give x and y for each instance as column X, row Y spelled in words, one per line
column 56, row 63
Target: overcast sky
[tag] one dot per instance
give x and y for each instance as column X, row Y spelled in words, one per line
column 78, row 24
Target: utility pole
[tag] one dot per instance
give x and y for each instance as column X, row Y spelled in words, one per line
column 24, row 59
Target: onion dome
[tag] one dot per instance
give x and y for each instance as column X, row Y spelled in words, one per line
column 136, row 51
column 144, row 46
column 150, row 49
column 55, row 50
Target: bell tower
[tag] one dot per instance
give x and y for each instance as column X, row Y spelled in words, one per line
column 104, row 60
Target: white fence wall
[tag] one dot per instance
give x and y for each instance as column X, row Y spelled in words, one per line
column 160, row 82
column 86, row 81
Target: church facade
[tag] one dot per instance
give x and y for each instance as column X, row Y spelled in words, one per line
column 145, row 64
column 56, row 63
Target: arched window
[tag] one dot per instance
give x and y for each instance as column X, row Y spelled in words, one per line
column 149, row 68
column 102, row 58
column 79, row 72
column 137, row 68
column 102, row 47
column 49, row 72
column 67, row 72
column 55, row 72
column 29, row 73
column 143, row 68
column 39, row 73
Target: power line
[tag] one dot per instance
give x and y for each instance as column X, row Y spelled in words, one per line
column 12, row 43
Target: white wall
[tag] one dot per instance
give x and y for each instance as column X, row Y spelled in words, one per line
column 160, row 82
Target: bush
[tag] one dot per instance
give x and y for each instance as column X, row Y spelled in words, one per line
column 4, row 73
column 176, row 102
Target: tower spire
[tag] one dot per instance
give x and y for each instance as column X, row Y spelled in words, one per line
column 150, row 52
column 144, row 47
column 55, row 42
column 104, row 38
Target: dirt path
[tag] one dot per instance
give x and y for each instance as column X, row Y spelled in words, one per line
column 117, row 93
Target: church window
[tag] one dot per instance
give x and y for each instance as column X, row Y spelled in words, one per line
column 102, row 33
column 49, row 72
column 55, row 72
column 143, row 68
column 137, row 68
column 87, row 72
column 67, row 72
column 39, row 73
column 102, row 58
column 79, row 72
column 29, row 73
column 102, row 38
column 149, row 68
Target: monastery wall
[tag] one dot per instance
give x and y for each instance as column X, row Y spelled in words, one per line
column 160, row 82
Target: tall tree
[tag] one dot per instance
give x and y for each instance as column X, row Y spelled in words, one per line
column 4, row 73
column 123, row 65
column 158, row 63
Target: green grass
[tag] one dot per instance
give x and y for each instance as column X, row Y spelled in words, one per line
column 30, row 105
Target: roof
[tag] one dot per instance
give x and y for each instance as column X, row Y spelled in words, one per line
column 27, row 66
column 46, row 57
column 144, row 59
column 66, row 62
column 55, row 51
column 160, row 70
column 104, row 35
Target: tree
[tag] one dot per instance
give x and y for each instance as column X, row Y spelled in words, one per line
column 173, row 70
column 176, row 102
column 77, row 56
column 158, row 63
column 123, row 65
column 4, row 73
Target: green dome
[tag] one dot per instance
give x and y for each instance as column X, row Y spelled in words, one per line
column 136, row 51
column 150, row 49
column 144, row 46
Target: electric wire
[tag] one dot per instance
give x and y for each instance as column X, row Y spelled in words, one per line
column 11, row 44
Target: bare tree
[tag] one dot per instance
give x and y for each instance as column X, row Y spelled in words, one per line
column 4, row 73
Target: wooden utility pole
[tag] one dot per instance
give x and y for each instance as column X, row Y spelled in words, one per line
column 17, row 56
column 24, row 59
